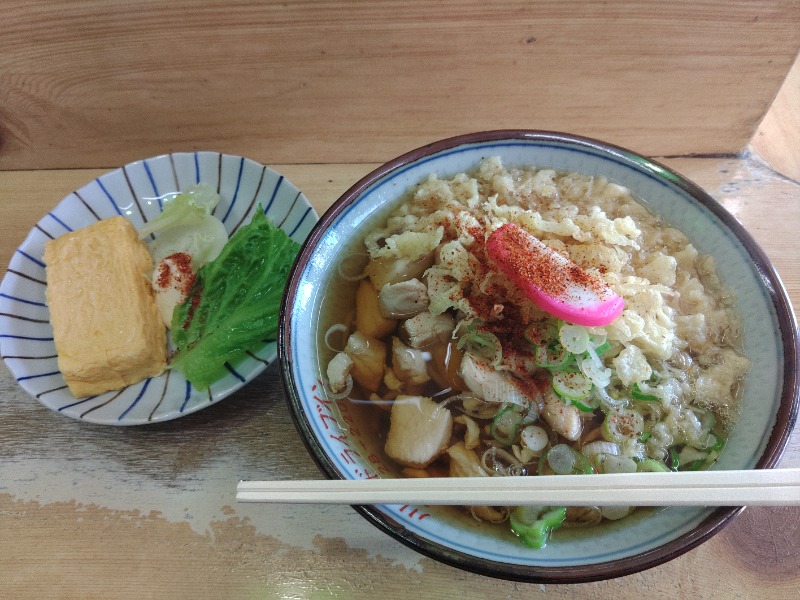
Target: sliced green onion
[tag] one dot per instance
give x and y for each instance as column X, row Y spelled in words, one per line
column 638, row 394
column 561, row 459
column 587, row 404
column 533, row 524
column 692, row 459
column 645, row 436
column 600, row 447
column 481, row 342
column 706, row 417
column 607, row 400
column 674, row 459
column 583, row 465
column 602, row 348
column 711, row 459
column 565, row 460
column 618, row 464
column 594, row 369
column 718, row 444
column 552, row 359
column 537, row 333
column 572, row 386
column 574, row 338
column 534, row 438
column 695, row 465
column 622, row 424
column 505, row 425
column 650, row 465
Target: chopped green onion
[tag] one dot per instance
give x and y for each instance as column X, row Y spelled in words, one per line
column 695, row 465
column 533, row 524
column 618, row 464
column 674, row 459
column 609, row 400
column 574, row 338
column 583, row 466
column 602, row 348
column 481, row 342
column 692, row 459
column 638, row 394
column 552, row 359
column 571, row 386
column 537, row 333
column 645, row 436
column 622, row 424
column 706, row 417
column 650, row 465
column 534, row 438
column 561, row 459
column 565, row 460
column 505, row 425
column 718, row 444
column 587, row 404
column 592, row 367
column 711, row 459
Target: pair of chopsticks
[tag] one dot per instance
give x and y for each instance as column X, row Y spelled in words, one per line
column 768, row 487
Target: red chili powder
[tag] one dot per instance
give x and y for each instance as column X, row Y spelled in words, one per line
column 529, row 263
column 182, row 278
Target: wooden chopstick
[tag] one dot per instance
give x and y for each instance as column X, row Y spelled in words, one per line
column 767, row 487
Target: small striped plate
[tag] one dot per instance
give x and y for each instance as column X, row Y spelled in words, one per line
column 137, row 191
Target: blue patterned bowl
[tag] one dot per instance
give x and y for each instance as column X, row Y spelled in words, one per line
column 345, row 448
column 136, row 191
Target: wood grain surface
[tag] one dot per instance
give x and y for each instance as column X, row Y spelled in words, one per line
column 777, row 139
column 149, row 512
column 97, row 83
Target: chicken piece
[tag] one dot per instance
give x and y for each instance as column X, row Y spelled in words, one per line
column 403, row 300
column 492, row 385
column 370, row 320
column 369, row 360
column 419, row 431
column 409, row 364
column 564, row 419
column 338, row 371
column 520, row 364
column 425, row 329
column 392, row 270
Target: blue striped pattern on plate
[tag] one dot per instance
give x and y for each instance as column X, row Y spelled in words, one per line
column 137, row 191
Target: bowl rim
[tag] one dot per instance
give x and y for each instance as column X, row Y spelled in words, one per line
column 712, row 524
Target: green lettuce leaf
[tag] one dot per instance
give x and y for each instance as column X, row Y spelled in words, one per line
column 190, row 207
column 234, row 303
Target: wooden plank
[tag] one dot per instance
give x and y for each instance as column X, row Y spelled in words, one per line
column 777, row 139
column 91, row 83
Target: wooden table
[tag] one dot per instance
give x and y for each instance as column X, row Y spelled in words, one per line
column 149, row 512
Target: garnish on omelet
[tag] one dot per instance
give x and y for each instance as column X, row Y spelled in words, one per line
column 186, row 229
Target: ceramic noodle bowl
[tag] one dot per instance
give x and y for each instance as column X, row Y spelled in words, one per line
column 346, row 446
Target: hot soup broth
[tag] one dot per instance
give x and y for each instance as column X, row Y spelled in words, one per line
column 461, row 373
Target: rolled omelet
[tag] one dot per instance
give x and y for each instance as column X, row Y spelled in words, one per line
column 107, row 328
